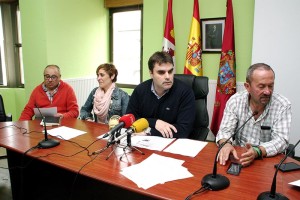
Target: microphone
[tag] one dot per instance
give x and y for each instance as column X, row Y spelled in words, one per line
column 272, row 194
column 138, row 126
column 124, row 122
column 217, row 181
column 46, row 143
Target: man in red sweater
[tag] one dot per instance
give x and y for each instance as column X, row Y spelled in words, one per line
column 53, row 92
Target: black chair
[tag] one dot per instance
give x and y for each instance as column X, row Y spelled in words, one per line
column 4, row 117
column 199, row 84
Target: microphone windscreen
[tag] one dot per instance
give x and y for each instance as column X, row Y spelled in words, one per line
column 128, row 120
column 140, row 125
column 113, row 121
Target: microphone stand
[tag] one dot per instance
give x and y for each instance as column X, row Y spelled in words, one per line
column 46, row 143
column 124, row 121
column 113, row 135
column 272, row 194
column 112, row 140
column 217, row 181
column 129, row 146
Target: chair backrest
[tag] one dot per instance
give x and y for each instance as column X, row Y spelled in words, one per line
column 2, row 110
column 199, row 85
column 3, row 117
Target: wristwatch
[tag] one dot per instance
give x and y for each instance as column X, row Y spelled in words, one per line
column 148, row 131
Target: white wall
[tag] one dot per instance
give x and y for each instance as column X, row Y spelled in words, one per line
column 276, row 41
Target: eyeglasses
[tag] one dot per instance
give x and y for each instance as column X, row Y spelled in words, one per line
column 53, row 77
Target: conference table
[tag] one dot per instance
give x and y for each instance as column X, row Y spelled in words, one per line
column 70, row 171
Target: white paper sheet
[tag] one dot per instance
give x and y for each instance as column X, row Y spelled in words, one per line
column 65, row 132
column 151, row 142
column 186, row 147
column 156, row 169
column 296, row 183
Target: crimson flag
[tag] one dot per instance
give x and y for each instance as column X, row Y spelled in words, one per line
column 226, row 85
column 193, row 61
column 169, row 35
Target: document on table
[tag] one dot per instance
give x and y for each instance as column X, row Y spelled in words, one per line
column 296, row 183
column 156, row 169
column 186, row 147
column 151, row 142
column 65, row 132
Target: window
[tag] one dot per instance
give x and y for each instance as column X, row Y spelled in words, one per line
column 11, row 70
column 126, row 43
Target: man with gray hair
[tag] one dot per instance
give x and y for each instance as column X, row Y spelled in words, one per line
column 52, row 92
column 267, row 132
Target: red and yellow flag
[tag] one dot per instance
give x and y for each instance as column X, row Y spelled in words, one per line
column 226, row 85
column 169, row 35
column 193, row 63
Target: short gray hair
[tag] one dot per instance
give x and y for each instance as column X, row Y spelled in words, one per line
column 253, row 67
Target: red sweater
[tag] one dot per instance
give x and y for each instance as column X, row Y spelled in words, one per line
column 65, row 101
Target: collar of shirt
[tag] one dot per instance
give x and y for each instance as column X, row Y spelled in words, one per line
column 265, row 112
column 154, row 92
column 50, row 95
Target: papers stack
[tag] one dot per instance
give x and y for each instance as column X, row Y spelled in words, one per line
column 156, row 169
column 48, row 114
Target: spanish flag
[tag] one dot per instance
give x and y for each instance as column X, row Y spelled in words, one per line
column 169, row 35
column 193, row 63
column 226, row 85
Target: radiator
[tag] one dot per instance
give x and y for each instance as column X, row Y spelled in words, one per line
column 83, row 87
